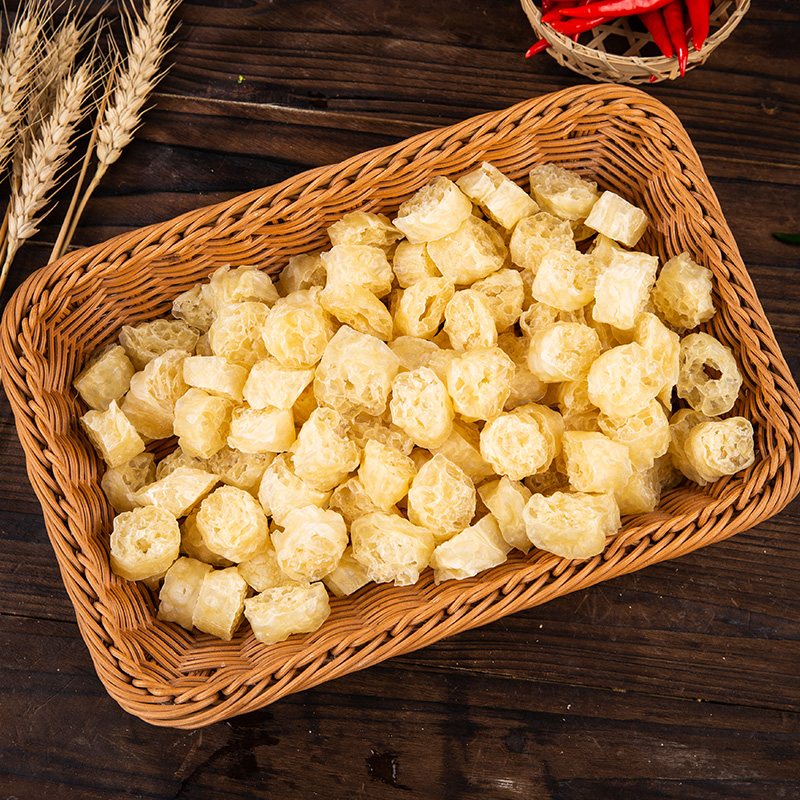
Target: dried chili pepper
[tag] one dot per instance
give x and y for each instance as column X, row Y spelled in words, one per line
column 614, row 8
column 654, row 22
column 673, row 18
column 699, row 16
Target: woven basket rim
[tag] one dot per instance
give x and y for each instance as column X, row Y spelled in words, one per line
column 169, row 677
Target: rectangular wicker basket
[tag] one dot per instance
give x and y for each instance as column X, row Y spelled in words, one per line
column 623, row 139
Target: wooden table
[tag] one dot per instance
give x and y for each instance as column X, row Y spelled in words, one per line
column 680, row 681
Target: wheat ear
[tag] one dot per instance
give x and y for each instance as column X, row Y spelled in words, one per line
column 49, row 151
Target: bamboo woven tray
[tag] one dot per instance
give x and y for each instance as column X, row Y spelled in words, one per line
column 620, row 137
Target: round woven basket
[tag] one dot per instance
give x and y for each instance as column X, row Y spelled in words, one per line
column 624, row 52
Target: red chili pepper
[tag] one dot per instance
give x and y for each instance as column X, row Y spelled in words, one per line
column 539, row 47
column 673, row 18
column 547, row 5
column 614, row 8
column 654, row 22
column 699, row 14
column 570, row 26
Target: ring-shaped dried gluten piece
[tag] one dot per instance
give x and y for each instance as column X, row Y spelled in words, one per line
column 709, row 379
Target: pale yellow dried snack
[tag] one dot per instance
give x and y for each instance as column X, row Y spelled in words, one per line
column 641, row 493
column 232, row 523
column 615, row 217
column 463, row 448
column 180, row 590
column 571, row 524
column 720, row 447
column 623, row 288
column 298, row 330
column 215, row 375
column 470, row 551
column 193, row 545
column 362, row 427
column 261, row 430
column 179, row 491
column 311, row 543
column 680, row 424
column 235, row 334
column 536, row 317
column 646, row 433
column 505, row 293
column 479, row 382
column 178, row 458
column 413, row 352
column 470, row 253
column 498, row 196
column 683, row 293
column 281, row 490
column 201, row 422
column 323, row 456
column 244, row 284
column 469, row 322
column 272, row 384
column 506, row 499
column 563, row 351
column 263, row 571
column 112, row 435
column 594, row 462
column 350, row 499
column 664, row 346
column 359, row 308
column 356, row 372
column 358, row 265
column 563, row 192
column 525, row 386
column 439, row 360
column 534, row 237
column 121, row 483
column 145, row 341
column 364, row 228
column 420, row 307
column 421, row 407
column 550, row 421
column 411, row 263
column 565, row 280
column 106, row 377
column 191, row 307
column 144, row 543
column 515, row 445
column 701, row 355
column 434, row 211
column 391, row 548
column 220, row 603
column 624, row 380
column 242, row 470
column 301, row 273
column 441, row 498
column 573, row 397
column 605, row 250
column 276, row 614
column 305, row 404
column 150, row 401
column 385, row 473
column 348, row 577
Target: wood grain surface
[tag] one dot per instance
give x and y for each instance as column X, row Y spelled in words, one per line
column 679, row 681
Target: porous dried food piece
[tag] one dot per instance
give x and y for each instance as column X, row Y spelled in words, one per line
column 615, row 217
column 562, row 192
column 506, row 498
column 121, row 483
column 720, row 447
column 434, row 211
column 565, row 279
column 385, row 473
column 470, row 551
column 146, row 340
column 350, row 499
column 192, row 543
column 263, row 571
column 364, row 228
column 499, row 197
column 245, row 284
column 311, row 542
column 594, row 462
column 272, row 384
column 144, row 543
column 242, row 470
column 624, row 380
column 463, row 447
column 261, row 430
column 470, row 253
column 505, row 294
column 421, row 407
column 663, row 346
column 215, row 375
column 645, row 433
column 479, row 382
column 563, row 351
column 359, row 308
column 683, row 293
column 281, row 490
column 112, row 435
column 235, row 334
column 180, row 590
column 358, row 265
column 709, row 378
column 623, row 288
column 232, row 523
column 277, row 614
column 525, row 386
column 322, row 454
column 106, row 377
column 413, row 352
column 179, row 491
column 201, row 422
column 301, row 273
column 469, row 322
column 534, row 237
column 362, row 427
column 515, row 445
column 680, row 424
column 178, row 458
column 641, row 493
column 191, row 307
column 220, row 603
column 411, row 263
column 420, row 307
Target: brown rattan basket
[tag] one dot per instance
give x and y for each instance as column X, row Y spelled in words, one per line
column 620, row 137
column 623, row 51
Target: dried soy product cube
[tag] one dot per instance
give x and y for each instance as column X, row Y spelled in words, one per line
column 641, row 493
column 215, row 375
column 434, row 211
column 364, row 228
column 263, row 571
column 323, row 456
column 720, row 447
column 356, row 372
column 235, row 334
column 390, row 548
column 506, row 498
column 708, row 378
column 201, row 422
column 276, row 614
column 385, row 473
column 411, row 263
column 358, row 265
column 683, row 293
column 261, row 430
column 245, row 284
column 515, row 445
column 616, row 218
column 594, row 463
column 470, row 253
column 479, row 382
column 192, row 543
column 645, row 433
column 680, row 424
column 470, row 551
column 420, row 307
column 112, row 435
column 191, row 307
column 663, row 346
column 145, row 341
column 220, row 603
column 536, row 236
column 232, row 523
column 624, row 380
column 623, row 288
column 412, row 352
column 106, row 377
column 281, row 490
column 563, row 351
column 565, row 280
column 242, row 470
column 441, row 498
column 180, row 590
column 359, row 308
column 562, row 192
column 505, row 294
column 463, row 448
column 271, row 384
column 121, row 483
column 179, row 491
column 311, row 542
column 298, row 329
column 348, row 577
column 469, row 322
column 498, row 196
column 571, row 524
column 350, row 499
column 421, row 407
column 301, row 273
column 144, row 543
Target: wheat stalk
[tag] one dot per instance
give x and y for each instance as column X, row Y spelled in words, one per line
column 39, row 170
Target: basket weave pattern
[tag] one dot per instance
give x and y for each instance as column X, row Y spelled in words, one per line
column 623, row 139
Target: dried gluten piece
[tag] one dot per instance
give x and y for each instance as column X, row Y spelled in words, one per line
column 411, row 263
column 413, row 352
column 469, row 322
column 534, row 237
column 276, row 614
column 201, row 422
column 421, row 406
column 463, row 447
column 301, row 273
column 235, row 333
column 358, row 265
column 506, row 498
column 144, row 543
column 615, row 217
column 470, row 551
column 680, row 424
column 311, row 542
column 215, row 375
column 562, row 192
column 623, row 288
column 565, row 279
column 348, row 577
column 220, row 603
column 112, row 435
column 385, row 473
column 594, row 463
column 624, row 380
column 323, row 455
column 145, row 341
column 272, row 384
column 700, row 355
column 298, row 330
column 261, row 430
column 180, row 590
column 499, row 197
column 191, row 307
column 683, row 293
column 232, row 523
column 359, row 308
column 246, row 284
column 720, row 447
column 350, row 499
column 563, row 351
column 179, row 491
column 242, row 470
column 505, row 294
column 646, row 433
column 434, row 211
column 281, row 490
column 420, row 307
column 479, row 382
column 663, row 346
column 364, row 228
column 263, row 571
column 192, row 543
column 515, row 445
column 641, row 493
column 120, row 484
column 362, row 427
column 470, row 253
column 106, row 377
